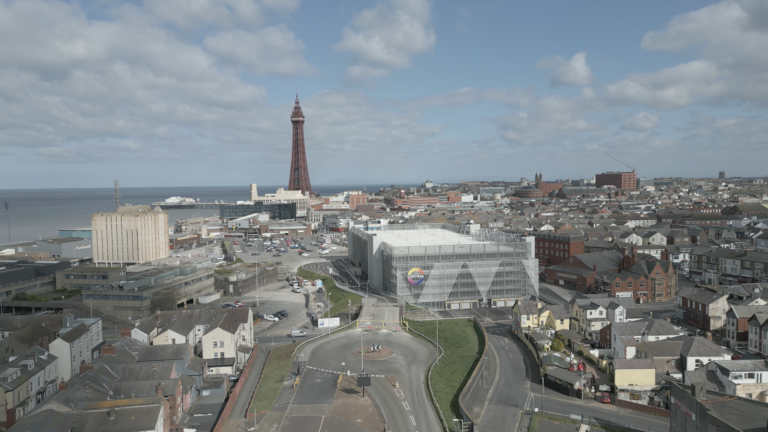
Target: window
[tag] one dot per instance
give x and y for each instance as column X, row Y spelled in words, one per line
column 629, row 284
column 215, row 355
column 221, row 344
column 617, row 285
column 221, row 354
column 214, row 344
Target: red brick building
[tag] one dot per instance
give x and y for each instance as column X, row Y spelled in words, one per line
column 623, row 180
column 554, row 248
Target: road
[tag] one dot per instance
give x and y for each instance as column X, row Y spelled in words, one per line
column 406, row 407
column 510, row 392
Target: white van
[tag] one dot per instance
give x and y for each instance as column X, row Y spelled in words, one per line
column 325, row 252
column 296, row 289
column 297, row 333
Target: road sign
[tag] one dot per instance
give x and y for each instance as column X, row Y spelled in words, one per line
column 364, row 380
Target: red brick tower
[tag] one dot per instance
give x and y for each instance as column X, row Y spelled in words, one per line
column 299, row 176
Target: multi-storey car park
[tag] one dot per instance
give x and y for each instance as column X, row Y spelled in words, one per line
column 442, row 266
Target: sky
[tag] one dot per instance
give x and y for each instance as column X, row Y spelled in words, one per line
column 200, row 92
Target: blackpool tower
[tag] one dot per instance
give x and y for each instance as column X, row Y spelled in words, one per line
column 299, row 177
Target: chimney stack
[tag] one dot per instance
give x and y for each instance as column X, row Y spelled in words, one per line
column 159, row 389
column 62, row 385
column 709, row 336
column 698, row 390
column 108, row 349
column 125, row 332
column 85, row 367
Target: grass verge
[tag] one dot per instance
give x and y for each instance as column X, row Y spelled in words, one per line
column 461, row 340
column 534, row 425
column 276, row 370
column 339, row 298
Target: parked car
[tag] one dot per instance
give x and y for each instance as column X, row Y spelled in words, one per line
column 258, row 314
column 736, row 357
column 334, row 247
column 325, row 252
column 282, row 312
column 233, row 378
column 238, row 251
column 319, row 289
column 277, row 255
column 297, row 333
column 271, row 318
column 239, row 303
column 605, row 398
column 255, row 253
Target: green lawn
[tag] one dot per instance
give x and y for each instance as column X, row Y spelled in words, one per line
column 461, row 340
column 276, row 370
column 339, row 298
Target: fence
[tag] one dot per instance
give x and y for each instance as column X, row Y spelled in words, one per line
column 473, row 398
column 225, row 413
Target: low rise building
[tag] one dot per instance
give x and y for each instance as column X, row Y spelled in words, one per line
column 25, row 382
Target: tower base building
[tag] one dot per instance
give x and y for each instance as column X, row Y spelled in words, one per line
column 447, row 266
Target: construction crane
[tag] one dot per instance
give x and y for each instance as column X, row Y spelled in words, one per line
column 632, row 168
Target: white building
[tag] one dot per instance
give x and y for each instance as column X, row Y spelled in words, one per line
column 131, row 235
column 283, row 196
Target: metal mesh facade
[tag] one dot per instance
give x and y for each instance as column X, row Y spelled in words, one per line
column 466, row 267
column 277, row 211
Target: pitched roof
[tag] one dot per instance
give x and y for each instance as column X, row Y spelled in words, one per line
column 74, row 334
column 48, row 421
column 665, row 348
column 703, row 295
column 699, row 346
column 647, row 327
column 527, row 307
column 605, row 260
column 127, row 419
column 633, row 364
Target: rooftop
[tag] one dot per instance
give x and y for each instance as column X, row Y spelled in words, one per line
column 425, row 237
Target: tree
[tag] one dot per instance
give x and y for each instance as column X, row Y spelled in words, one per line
column 20, row 297
column 557, row 345
column 163, row 301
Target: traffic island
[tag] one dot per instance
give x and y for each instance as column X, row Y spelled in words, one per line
column 350, row 405
column 379, row 354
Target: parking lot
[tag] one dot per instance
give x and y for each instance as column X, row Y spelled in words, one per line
column 291, row 257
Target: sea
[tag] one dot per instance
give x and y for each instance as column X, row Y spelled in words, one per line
column 35, row 214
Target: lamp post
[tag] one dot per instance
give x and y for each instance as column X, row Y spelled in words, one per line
column 329, row 313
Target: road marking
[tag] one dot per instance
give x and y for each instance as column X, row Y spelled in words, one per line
column 405, row 404
column 399, row 393
column 413, row 421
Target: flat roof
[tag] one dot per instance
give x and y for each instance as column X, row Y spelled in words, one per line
column 425, row 237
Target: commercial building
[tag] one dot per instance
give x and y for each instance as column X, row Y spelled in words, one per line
column 441, row 266
column 62, row 247
column 282, row 196
column 85, row 277
column 76, row 232
column 286, row 229
column 277, row 211
column 644, row 182
column 552, row 248
column 131, row 235
column 622, row 180
column 22, row 276
column 151, row 288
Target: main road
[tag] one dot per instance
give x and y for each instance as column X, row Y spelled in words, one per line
column 397, row 382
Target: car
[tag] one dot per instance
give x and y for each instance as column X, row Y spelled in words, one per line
column 277, row 255
column 283, row 312
column 238, row 251
column 239, row 303
column 605, row 398
column 271, row 318
column 255, row 253
column 302, row 238
column 305, row 254
column 227, row 306
column 297, row 333
column 325, row 252
column 283, row 251
column 301, row 251
column 233, row 378
column 319, row 289
column 258, row 315
column 334, row 247
column 736, row 357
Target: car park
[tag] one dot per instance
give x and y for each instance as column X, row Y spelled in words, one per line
column 297, row 333
column 271, row 318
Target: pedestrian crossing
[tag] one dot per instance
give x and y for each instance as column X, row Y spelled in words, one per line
column 343, row 373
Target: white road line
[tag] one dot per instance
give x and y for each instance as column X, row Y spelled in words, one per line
column 405, row 404
column 413, row 421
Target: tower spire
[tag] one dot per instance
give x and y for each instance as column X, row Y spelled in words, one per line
column 299, row 176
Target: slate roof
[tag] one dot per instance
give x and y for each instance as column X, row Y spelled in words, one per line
column 558, row 311
column 703, row 295
column 742, row 365
column 565, row 375
column 48, row 421
column 74, row 334
column 155, row 353
column 665, row 348
column 29, row 335
column 141, row 389
column 527, row 307
column 699, row 346
column 706, row 375
column 647, row 326
column 746, row 312
column 127, row 419
column 605, row 261
column 633, row 364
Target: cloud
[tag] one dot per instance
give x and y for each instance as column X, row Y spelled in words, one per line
column 387, row 37
column 573, row 72
column 731, row 39
column 272, row 50
column 641, row 122
column 470, row 95
column 193, row 15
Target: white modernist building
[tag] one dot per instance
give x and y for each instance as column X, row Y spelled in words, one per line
column 131, row 235
column 446, row 266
